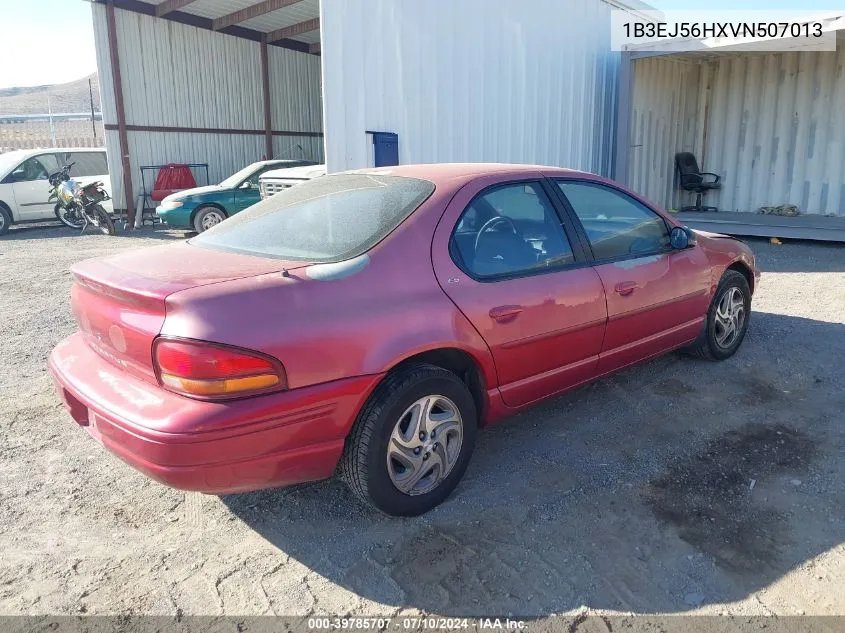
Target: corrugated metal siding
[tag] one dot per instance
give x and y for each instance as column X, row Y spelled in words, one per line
column 307, row 148
column 296, row 100
column 664, row 113
column 531, row 82
column 181, row 76
column 184, row 76
column 774, row 129
column 107, row 102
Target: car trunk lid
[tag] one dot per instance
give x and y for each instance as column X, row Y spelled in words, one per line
column 119, row 301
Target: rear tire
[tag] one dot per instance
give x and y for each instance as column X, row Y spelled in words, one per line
column 206, row 217
column 733, row 296
column 366, row 465
column 5, row 220
column 105, row 223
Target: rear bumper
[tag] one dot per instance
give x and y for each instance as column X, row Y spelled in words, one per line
column 264, row 442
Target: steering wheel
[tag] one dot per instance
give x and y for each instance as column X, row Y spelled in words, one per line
column 489, row 224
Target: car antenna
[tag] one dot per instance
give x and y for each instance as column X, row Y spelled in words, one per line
column 286, row 272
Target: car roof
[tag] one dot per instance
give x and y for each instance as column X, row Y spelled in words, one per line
column 61, row 150
column 446, row 172
column 10, row 160
column 23, row 153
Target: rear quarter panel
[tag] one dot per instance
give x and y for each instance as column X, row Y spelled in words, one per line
column 365, row 323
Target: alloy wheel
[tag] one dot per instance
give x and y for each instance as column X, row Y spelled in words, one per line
column 424, row 445
column 211, row 219
column 730, row 317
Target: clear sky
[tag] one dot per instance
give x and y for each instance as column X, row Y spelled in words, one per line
column 33, row 52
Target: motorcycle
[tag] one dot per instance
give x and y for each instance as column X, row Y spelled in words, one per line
column 77, row 206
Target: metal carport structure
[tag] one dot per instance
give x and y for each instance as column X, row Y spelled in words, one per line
column 771, row 123
column 226, row 82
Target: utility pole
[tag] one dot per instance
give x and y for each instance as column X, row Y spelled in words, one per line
column 91, row 96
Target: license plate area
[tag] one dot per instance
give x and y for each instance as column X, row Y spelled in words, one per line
column 78, row 411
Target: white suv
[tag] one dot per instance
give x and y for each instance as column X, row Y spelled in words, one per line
column 24, row 190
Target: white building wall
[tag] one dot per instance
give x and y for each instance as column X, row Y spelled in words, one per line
column 771, row 125
column 532, row 81
column 175, row 75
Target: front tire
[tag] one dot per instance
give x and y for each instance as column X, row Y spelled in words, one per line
column 5, row 220
column 411, row 442
column 727, row 319
column 61, row 217
column 206, row 217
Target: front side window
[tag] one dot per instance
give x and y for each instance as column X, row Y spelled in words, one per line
column 509, row 230
column 616, row 224
column 327, row 219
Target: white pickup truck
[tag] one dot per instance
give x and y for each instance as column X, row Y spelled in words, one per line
column 276, row 180
column 24, row 190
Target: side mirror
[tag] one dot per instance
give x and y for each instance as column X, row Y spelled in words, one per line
column 18, row 175
column 246, row 185
column 681, row 237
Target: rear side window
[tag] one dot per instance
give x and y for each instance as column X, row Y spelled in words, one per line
column 616, row 224
column 327, row 219
column 86, row 163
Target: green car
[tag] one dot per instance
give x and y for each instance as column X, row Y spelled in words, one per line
column 201, row 208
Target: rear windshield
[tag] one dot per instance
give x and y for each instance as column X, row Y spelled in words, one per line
column 327, row 219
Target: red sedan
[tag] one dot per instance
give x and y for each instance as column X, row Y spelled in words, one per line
column 369, row 322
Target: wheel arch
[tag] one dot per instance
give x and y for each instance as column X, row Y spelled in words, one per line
column 204, row 205
column 460, row 362
column 745, row 270
column 7, row 209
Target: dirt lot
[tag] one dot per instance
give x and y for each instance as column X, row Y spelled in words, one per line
column 675, row 486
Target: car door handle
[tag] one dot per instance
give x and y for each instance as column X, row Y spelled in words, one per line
column 625, row 288
column 505, row 314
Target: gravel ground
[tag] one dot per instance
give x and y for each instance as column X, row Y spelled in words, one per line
column 676, row 486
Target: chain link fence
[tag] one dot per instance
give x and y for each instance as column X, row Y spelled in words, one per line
column 33, row 134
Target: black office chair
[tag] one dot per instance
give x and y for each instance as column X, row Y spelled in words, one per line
column 692, row 179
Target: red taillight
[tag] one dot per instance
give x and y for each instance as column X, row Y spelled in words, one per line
column 208, row 370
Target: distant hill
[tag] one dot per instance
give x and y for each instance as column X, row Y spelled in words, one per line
column 69, row 97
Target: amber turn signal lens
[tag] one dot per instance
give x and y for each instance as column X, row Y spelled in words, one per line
column 209, row 370
column 219, row 387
